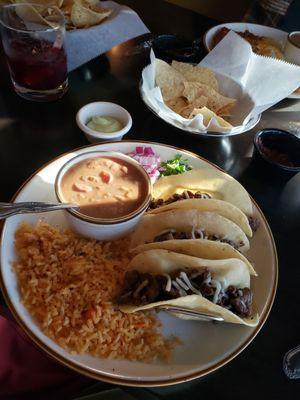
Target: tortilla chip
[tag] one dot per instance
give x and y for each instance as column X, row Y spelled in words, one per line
column 208, row 115
column 57, row 3
column 198, row 103
column 31, row 14
column 170, row 81
column 86, row 13
column 194, row 73
column 193, row 90
column 225, row 111
column 177, row 104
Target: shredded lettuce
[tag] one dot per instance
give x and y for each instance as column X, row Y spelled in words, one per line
column 175, row 166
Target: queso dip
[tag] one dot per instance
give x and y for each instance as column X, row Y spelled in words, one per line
column 104, row 187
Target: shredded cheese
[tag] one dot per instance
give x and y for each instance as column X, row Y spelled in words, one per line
column 184, row 276
column 169, row 283
column 218, row 286
column 141, row 286
column 180, row 290
column 182, row 284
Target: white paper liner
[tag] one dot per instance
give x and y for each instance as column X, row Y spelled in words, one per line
column 85, row 44
column 257, row 82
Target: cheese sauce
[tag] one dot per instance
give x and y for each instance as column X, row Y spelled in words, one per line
column 104, row 187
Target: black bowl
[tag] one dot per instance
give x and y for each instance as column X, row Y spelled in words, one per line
column 277, row 152
column 170, row 47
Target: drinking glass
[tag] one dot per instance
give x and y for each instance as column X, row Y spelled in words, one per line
column 33, row 41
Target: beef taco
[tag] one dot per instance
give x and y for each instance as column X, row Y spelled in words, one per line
column 189, row 224
column 207, row 249
column 221, row 207
column 219, row 287
column 202, row 183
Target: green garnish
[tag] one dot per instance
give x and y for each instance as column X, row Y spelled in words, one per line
column 174, row 166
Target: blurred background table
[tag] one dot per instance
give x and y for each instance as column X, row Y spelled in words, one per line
column 32, row 134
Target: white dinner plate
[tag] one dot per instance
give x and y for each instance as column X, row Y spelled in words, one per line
column 260, row 30
column 205, row 346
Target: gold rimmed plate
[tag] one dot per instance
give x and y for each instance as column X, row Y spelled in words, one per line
column 205, row 346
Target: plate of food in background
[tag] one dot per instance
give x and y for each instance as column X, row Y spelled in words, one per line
column 265, row 40
column 207, row 247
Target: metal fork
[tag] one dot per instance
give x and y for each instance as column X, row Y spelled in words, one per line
column 201, row 316
column 10, row 209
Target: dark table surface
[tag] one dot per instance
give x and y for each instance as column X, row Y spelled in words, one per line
column 32, row 134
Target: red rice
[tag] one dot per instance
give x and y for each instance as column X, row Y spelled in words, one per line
column 69, row 283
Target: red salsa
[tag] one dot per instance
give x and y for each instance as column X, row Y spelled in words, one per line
column 276, row 155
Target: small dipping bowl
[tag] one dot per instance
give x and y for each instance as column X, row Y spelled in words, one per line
column 104, row 228
column 275, row 150
column 105, row 109
column 173, row 47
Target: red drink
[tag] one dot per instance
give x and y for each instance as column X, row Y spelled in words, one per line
column 33, row 41
column 36, row 64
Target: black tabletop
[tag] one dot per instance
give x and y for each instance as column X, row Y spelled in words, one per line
column 32, row 134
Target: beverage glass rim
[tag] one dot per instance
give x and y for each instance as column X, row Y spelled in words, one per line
column 47, row 29
column 291, row 36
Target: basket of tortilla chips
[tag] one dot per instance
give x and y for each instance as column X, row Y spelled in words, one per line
column 195, row 99
column 224, row 94
column 77, row 13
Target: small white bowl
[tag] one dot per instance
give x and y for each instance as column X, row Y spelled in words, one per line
column 100, row 228
column 104, row 108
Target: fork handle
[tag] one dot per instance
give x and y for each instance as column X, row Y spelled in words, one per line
column 10, row 209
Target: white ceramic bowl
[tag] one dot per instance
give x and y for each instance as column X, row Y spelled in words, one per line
column 99, row 108
column 260, row 30
column 100, row 228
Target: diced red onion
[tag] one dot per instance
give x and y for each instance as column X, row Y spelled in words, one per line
column 148, row 159
column 139, row 150
column 148, row 151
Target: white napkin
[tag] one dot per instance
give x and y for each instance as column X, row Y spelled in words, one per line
column 85, row 44
column 256, row 82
